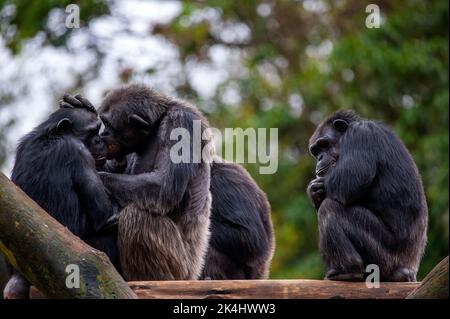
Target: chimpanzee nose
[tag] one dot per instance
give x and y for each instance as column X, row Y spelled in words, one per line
column 104, row 134
column 320, row 157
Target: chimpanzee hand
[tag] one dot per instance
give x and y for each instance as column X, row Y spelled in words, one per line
column 111, row 224
column 76, row 101
column 316, row 191
column 116, row 165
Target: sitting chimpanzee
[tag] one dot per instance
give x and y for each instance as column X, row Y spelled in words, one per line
column 369, row 198
column 56, row 166
column 242, row 240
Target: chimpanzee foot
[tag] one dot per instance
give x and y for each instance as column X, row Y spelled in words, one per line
column 402, row 275
column 16, row 288
column 339, row 275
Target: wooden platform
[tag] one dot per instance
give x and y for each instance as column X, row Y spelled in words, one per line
column 264, row 289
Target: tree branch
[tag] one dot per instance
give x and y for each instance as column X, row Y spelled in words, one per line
column 40, row 249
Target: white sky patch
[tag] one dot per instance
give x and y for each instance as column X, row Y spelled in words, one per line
column 230, row 95
column 201, row 15
column 321, row 50
column 347, row 75
column 231, row 32
column 296, row 104
column 407, row 101
column 228, row 59
column 205, row 77
column 317, row 6
column 270, row 73
column 264, row 9
column 153, row 12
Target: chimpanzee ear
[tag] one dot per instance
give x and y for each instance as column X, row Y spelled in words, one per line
column 340, row 125
column 63, row 125
column 139, row 121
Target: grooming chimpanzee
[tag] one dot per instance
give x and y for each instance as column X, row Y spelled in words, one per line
column 241, row 244
column 56, row 166
column 369, row 198
column 165, row 215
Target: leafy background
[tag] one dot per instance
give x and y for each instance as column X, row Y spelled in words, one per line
column 283, row 64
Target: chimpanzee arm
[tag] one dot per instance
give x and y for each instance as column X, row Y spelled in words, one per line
column 356, row 167
column 92, row 194
column 126, row 188
column 167, row 183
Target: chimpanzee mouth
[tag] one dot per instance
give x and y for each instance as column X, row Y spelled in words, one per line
column 324, row 170
column 100, row 158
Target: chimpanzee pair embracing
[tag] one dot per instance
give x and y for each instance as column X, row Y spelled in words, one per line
column 167, row 226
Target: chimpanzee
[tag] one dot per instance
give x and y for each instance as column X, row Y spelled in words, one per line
column 56, row 166
column 165, row 205
column 242, row 240
column 369, row 198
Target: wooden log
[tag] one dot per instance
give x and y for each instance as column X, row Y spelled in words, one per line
column 435, row 284
column 40, row 248
column 264, row 289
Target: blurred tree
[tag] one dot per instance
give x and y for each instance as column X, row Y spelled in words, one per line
column 23, row 19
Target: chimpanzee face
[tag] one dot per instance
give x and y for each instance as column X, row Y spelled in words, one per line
column 130, row 116
column 97, row 148
column 123, row 133
column 324, row 145
column 84, row 126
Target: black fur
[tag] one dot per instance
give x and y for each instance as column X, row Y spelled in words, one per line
column 242, row 243
column 56, row 168
column 370, row 200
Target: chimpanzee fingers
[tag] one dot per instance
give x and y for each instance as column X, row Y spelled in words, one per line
column 318, row 180
column 320, row 191
column 65, row 105
column 71, row 100
column 111, row 223
column 86, row 103
column 315, row 186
